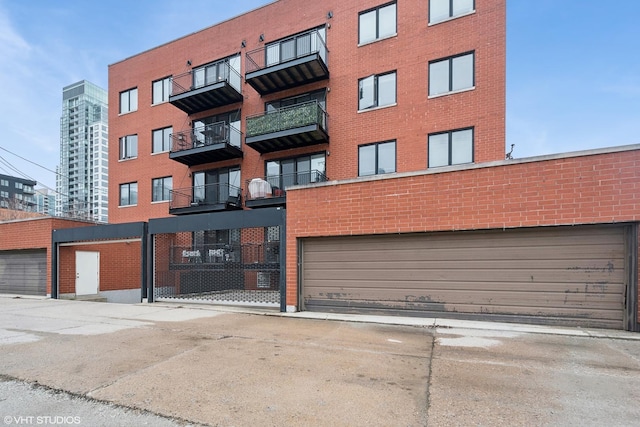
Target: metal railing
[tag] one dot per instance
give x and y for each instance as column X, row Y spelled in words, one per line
column 276, row 185
column 204, row 195
column 286, row 50
column 214, row 133
column 222, row 253
column 285, row 118
column 206, row 75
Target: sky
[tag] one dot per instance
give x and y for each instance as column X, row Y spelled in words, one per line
column 573, row 68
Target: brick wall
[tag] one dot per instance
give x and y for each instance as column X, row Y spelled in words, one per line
column 603, row 188
column 120, row 266
column 34, row 234
column 409, row 122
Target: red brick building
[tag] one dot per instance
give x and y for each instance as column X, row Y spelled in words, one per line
column 379, row 127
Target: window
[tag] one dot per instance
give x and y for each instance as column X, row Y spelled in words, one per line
column 298, row 170
column 377, row 158
column 18, row 185
column 451, row 74
column 161, row 189
column 216, row 185
column 451, row 148
column 441, row 10
column 129, row 194
column 129, row 100
column 161, row 90
column 377, row 91
column 224, row 127
column 4, row 182
column 319, row 96
column 162, row 140
column 4, row 194
column 377, row 23
column 129, row 147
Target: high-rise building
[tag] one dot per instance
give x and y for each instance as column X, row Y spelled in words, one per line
column 82, row 179
column 45, row 201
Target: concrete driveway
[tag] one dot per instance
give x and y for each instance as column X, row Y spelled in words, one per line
column 229, row 367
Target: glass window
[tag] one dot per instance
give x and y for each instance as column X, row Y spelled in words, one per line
column 451, row 74
column 4, row 182
column 377, row 91
column 129, row 147
column 129, row 194
column 377, row 24
column 451, row 148
column 161, row 189
column 441, row 10
column 377, row 158
column 294, row 171
column 129, row 100
column 161, row 90
column 162, row 140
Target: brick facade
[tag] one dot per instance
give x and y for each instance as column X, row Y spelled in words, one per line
column 408, row 122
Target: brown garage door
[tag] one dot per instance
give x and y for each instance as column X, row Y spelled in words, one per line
column 23, row 272
column 556, row 275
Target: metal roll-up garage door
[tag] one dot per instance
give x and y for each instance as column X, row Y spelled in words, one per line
column 554, row 275
column 23, row 272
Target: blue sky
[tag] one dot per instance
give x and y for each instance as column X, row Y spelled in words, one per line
column 573, row 67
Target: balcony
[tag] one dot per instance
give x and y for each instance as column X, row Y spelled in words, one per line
column 295, row 126
column 201, row 89
column 292, row 62
column 271, row 191
column 205, row 198
column 206, row 144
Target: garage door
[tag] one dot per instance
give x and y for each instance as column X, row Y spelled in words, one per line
column 23, row 272
column 556, row 275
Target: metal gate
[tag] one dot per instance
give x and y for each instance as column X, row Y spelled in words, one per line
column 224, row 257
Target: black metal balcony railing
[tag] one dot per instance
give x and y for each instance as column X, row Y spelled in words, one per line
column 222, row 253
column 205, row 198
column 288, row 127
column 206, row 87
column 291, row 62
column 272, row 190
column 204, row 144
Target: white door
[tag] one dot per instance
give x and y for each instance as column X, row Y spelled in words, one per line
column 87, row 273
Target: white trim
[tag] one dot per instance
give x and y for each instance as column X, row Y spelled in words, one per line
column 453, row 92
column 127, row 159
column 100, row 242
column 430, row 24
column 390, row 36
column 160, row 201
column 378, row 108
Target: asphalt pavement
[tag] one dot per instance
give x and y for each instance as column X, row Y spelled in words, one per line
column 100, row 364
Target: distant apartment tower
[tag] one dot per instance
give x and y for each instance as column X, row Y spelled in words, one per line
column 16, row 193
column 45, row 201
column 82, row 179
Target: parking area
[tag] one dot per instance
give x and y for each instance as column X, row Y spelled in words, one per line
column 223, row 366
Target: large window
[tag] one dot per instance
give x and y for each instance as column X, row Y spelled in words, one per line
column 451, row 74
column 161, row 90
column 451, row 148
column 224, row 127
column 298, row 170
column 377, row 91
column 216, row 185
column 319, row 96
column 129, row 147
column 4, row 182
column 379, row 158
column 161, row 189
column 162, row 140
column 129, row 100
column 296, row 47
column 129, row 194
column 377, row 23
column 441, row 10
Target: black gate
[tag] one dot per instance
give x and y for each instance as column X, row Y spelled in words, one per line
column 234, row 257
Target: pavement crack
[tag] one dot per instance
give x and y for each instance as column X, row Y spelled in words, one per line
column 433, row 346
